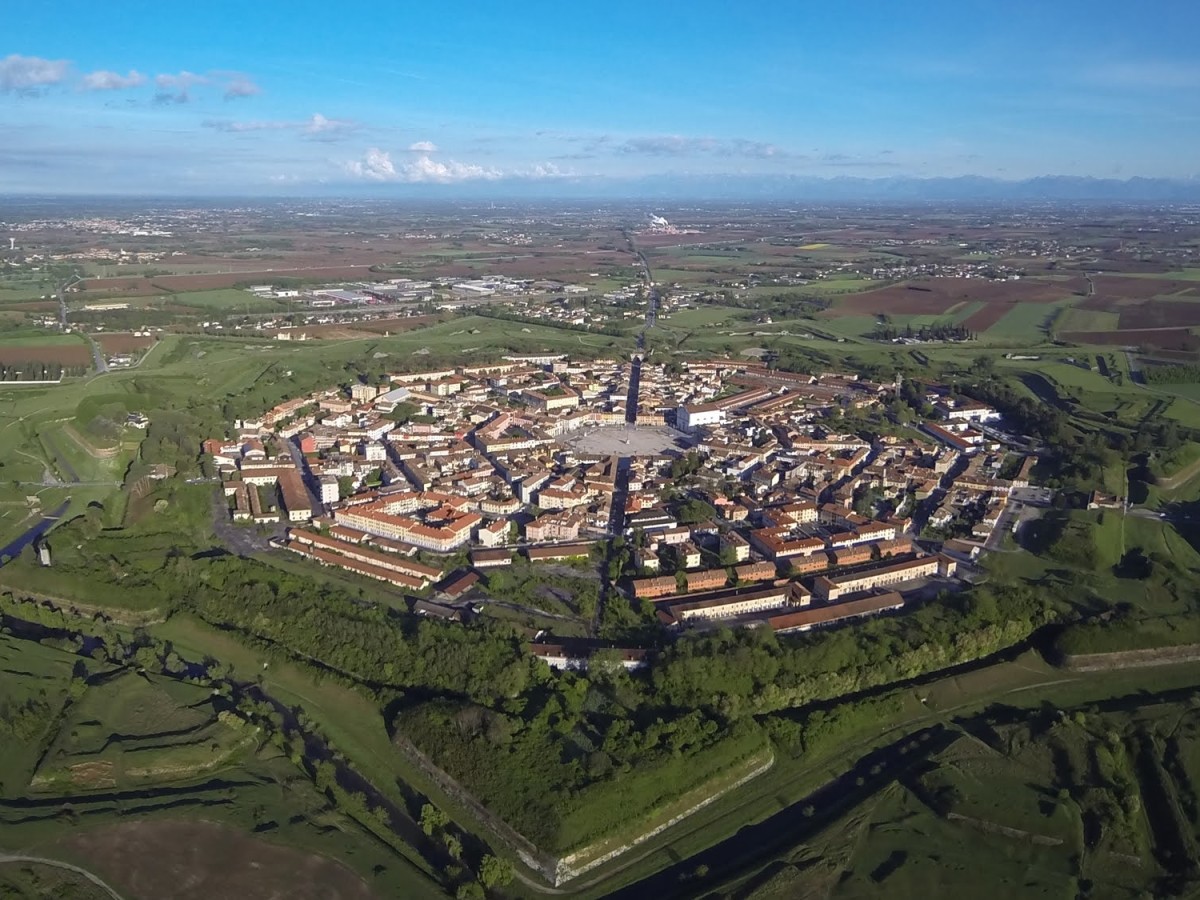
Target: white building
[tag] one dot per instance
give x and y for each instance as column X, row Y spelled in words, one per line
column 330, row 492
column 966, row 411
column 689, row 418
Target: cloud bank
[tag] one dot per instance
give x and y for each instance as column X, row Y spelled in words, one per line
column 104, row 80
column 377, row 165
column 317, row 127
column 29, row 74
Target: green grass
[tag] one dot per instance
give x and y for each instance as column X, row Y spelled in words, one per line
column 145, row 734
column 705, row 317
column 133, row 728
column 1111, row 534
column 84, row 566
column 683, row 276
column 1026, row 683
column 1022, row 324
column 950, row 860
column 1076, row 319
column 1166, row 466
column 33, row 674
column 33, row 880
column 1181, row 275
column 228, row 300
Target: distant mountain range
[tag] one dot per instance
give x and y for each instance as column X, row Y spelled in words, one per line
column 754, row 188
column 1046, row 188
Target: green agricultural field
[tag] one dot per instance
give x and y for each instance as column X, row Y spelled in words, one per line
column 705, row 317
column 1024, row 323
column 42, row 340
column 1180, row 275
column 1075, row 319
column 683, row 276
column 229, row 300
column 848, row 326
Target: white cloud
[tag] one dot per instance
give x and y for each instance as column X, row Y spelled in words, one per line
column 183, row 81
column 241, row 86
column 103, row 80
column 243, row 127
column 177, row 88
column 320, row 128
column 25, row 74
column 423, row 147
column 317, row 128
column 546, row 170
column 377, row 165
column 677, row 145
column 424, row 169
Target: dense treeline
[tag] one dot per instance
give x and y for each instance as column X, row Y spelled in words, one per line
column 780, row 305
column 366, row 642
column 39, row 371
column 509, row 730
column 1128, row 631
column 1178, row 374
column 527, row 742
column 735, row 674
column 885, row 331
column 563, row 774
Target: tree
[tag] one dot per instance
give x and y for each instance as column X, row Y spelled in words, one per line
column 983, row 365
column 147, row 657
column 495, row 872
column 433, row 819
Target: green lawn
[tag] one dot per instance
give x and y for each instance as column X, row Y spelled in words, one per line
column 37, row 338
column 1022, row 324
column 228, row 300
column 133, row 728
column 1076, row 319
column 706, row 317
column 1180, row 275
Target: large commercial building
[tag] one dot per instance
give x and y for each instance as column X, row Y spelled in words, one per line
column 678, row 611
column 818, row 616
column 420, row 574
column 831, row 587
column 447, row 524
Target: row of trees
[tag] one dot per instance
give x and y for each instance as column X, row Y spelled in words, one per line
column 885, row 331
column 39, row 371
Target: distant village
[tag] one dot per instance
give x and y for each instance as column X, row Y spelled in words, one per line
column 542, row 457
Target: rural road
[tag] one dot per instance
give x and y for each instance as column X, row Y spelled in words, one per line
column 42, row 861
column 97, row 356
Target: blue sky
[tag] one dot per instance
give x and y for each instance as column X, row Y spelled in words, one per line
column 295, row 97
